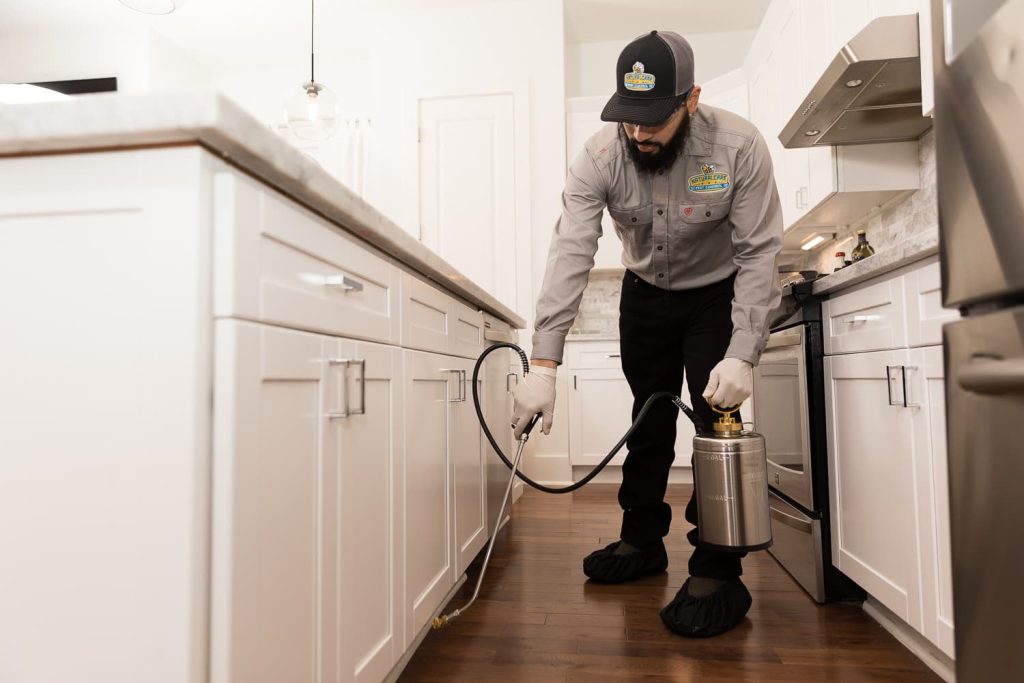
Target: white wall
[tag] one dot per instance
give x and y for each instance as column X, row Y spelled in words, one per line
column 590, row 67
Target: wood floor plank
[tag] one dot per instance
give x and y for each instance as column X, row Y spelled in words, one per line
column 538, row 619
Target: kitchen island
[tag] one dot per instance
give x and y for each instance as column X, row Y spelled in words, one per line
column 234, row 440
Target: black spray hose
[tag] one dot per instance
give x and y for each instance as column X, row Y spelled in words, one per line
column 697, row 422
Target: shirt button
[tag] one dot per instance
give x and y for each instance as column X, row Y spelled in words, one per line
column 661, row 172
column 708, row 214
column 633, row 219
column 660, row 248
column 661, row 274
column 660, row 212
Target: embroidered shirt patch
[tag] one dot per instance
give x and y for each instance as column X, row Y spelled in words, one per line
column 710, row 179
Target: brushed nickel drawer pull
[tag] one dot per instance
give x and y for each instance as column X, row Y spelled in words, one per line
column 344, row 283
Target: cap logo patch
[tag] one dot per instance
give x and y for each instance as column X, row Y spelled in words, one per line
column 637, row 80
column 710, row 179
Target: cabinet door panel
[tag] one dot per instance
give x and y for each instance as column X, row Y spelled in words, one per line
column 265, row 499
column 429, row 573
column 467, row 456
column 873, row 472
column 925, row 314
column 600, row 411
column 361, row 529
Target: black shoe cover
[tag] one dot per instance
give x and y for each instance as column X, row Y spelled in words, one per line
column 709, row 615
column 604, row 566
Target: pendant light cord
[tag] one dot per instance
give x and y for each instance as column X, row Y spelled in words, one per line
column 312, row 10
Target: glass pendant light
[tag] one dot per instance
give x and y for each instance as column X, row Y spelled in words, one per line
column 312, row 111
column 154, row 6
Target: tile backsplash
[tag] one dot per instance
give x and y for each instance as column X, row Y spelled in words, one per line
column 599, row 308
column 892, row 223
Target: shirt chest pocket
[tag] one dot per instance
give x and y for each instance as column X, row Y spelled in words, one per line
column 697, row 220
column 630, row 219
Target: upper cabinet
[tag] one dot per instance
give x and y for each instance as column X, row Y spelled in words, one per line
column 823, row 186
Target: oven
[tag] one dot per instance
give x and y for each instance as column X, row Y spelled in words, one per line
column 789, row 410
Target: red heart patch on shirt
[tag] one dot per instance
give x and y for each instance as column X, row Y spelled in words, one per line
column 688, row 210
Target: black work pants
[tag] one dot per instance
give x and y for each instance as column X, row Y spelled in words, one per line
column 664, row 334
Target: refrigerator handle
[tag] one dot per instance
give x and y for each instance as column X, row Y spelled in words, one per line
column 992, row 376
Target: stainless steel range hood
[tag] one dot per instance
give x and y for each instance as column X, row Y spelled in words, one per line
column 871, row 92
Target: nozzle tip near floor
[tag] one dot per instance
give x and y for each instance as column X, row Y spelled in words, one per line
column 440, row 622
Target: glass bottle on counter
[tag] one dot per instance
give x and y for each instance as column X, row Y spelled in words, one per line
column 863, row 249
column 840, row 261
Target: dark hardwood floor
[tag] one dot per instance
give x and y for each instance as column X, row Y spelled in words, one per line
column 539, row 619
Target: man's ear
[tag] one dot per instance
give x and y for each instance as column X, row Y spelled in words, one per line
column 691, row 102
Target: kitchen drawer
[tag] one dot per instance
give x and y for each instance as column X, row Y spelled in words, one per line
column 868, row 319
column 433, row 320
column 279, row 263
column 585, row 355
column 466, row 337
column 925, row 314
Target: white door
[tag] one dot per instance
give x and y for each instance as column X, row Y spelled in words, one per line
column 933, row 482
column 429, row 573
column 874, row 470
column 583, row 119
column 361, row 512
column 467, row 456
column 468, row 187
column 265, row 503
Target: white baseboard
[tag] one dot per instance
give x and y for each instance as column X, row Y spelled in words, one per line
column 613, row 475
column 934, row 658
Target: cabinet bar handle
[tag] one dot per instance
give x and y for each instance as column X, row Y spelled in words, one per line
column 613, row 355
column 889, row 379
column 906, row 403
column 461, row 397
column 344, row 283
column 853, row 319
column 346, row 363
column 509, row 376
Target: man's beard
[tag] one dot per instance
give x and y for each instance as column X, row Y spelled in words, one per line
column 662, row 160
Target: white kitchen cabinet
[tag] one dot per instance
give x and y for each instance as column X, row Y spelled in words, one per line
column 266, row 492
column 361, row 512
column 601, row 403
column 888, row 462
column 499, row 379
column 429, row 558
column 433, row 320
column 873, row 465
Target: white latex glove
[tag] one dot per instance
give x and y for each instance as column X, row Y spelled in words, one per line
column 535, row 394
column 730, row 383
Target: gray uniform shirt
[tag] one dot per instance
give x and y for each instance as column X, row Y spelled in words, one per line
column 715, row 212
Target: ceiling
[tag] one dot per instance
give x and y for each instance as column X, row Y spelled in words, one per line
column 591, row 21
column 276, row 33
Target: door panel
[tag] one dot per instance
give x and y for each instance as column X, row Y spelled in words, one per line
column 265, row 500
column 467, row 456
column 429, row 573
column 360, row 524
column 467, row 187
column 873, row 492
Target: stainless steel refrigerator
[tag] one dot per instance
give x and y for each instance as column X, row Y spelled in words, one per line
column 979, row 121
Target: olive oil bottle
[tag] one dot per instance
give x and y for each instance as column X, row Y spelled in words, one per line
column 863, row 249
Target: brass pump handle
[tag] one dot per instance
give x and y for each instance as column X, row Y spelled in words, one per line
column 722, row 411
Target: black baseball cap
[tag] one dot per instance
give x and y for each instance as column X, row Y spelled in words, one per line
column 651, row 74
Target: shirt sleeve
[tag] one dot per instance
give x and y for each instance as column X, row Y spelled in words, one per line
column 757, row 240
column 570, row 257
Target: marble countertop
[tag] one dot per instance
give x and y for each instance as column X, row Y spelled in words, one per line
column 208, row 118
column 910, row 250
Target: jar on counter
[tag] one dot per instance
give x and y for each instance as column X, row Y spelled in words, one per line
column 840, row 261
